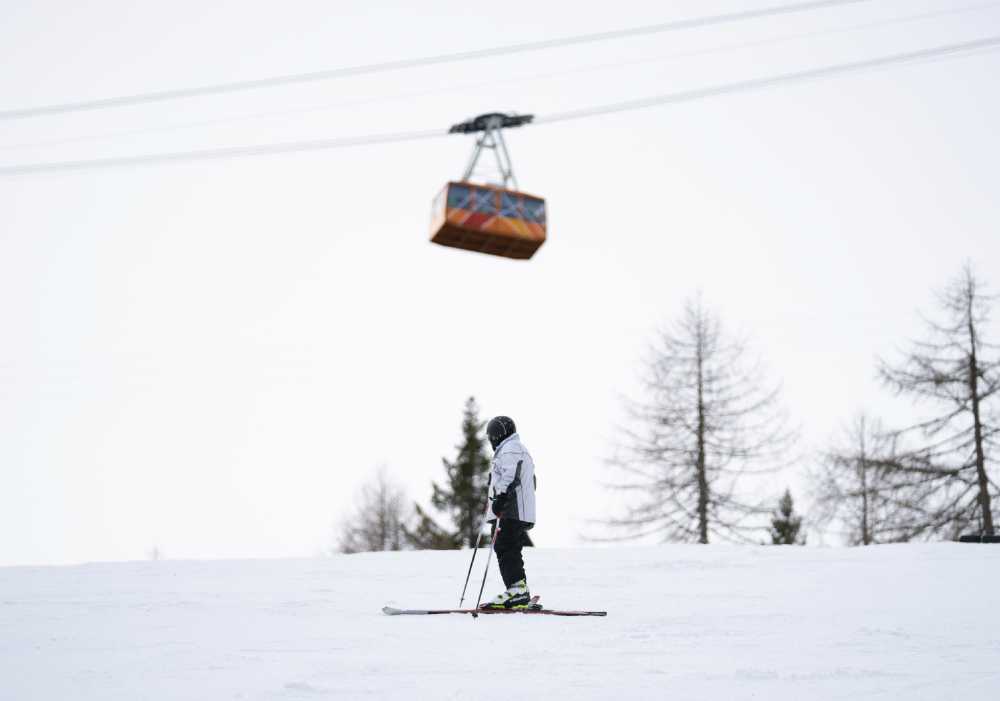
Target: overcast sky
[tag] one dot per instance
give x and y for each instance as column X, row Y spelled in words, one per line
column 211, row 358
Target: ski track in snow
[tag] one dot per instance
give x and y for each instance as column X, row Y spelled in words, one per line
column 684, row 622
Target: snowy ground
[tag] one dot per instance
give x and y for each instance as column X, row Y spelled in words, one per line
column 685, row 622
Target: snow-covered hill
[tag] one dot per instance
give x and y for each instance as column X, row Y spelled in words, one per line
column 684, row 622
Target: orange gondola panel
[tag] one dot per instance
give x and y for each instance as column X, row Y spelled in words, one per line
column 488, row 219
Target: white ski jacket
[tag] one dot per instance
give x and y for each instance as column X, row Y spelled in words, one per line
column 512, row 465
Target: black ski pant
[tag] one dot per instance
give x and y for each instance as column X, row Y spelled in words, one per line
column 511, row 538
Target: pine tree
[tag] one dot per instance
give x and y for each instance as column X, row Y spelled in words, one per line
column 462, row 495
column 785, row 525
column 427, row 535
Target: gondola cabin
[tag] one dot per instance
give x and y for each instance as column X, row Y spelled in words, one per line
column 488, row 219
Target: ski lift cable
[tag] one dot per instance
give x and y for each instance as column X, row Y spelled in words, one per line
column 229, row 152
column 938, row 52
column 519, row 79
column 979, row 45
column 351, row 71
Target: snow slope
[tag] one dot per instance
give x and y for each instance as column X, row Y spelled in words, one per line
column 685, row 622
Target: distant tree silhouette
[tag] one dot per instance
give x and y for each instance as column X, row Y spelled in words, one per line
column 462, row 496
column 956, row 370
column 708, row 419
column 428, row 535
column 785, row 524
column 861, row 489
column 377, row 520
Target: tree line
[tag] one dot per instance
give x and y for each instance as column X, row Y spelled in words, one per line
column 708, row 420
column 708, row 431
column 931, row 479
column 384, row 520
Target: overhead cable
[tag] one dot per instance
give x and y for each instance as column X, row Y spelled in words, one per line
column 759, row 83
column 232, row 152
column 518, row 79
column 937, row 52
column 474, row 54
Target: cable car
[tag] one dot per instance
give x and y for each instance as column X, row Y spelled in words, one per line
column 494, row 219
column 488, row 219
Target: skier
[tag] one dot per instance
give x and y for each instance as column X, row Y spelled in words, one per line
column 513, row 496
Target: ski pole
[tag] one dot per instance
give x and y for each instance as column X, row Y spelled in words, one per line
column 479, row 538
column 489, row 556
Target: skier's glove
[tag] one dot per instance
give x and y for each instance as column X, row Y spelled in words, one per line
column 499, row 505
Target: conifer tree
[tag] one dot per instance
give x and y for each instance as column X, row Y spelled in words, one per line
column 462, row 495
column 861, row 488
column 785, row 524
column 708, row 422
column 427, row 535
column 957, row 371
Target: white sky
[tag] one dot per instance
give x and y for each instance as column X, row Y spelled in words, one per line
column 212, row 357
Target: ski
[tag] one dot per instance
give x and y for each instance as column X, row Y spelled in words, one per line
column 535, row 608
column 390, row 611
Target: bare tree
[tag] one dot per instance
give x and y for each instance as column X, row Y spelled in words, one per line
column 861, row 488
column 708, row 419
column 378, row 518
column 959, row 372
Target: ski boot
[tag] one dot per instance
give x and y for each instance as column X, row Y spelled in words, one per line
column 517, row 596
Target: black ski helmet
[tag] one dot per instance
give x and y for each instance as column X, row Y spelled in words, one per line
column 500, row 428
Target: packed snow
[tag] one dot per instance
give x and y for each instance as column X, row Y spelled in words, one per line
column 684, row 622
